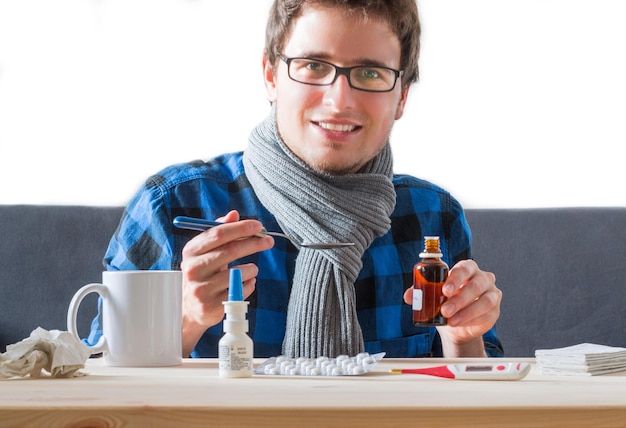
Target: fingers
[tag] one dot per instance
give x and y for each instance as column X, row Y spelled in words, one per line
column 459, row 275
column 484, row 309
column 472, row 295
column 212, row 250
column 202, row 300
column 231, row 216
column 220, row 235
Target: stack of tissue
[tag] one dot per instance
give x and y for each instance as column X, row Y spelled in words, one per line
column 585, row 359
column 57, row 352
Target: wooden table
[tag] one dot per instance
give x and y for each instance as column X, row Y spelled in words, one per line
column 194, row 395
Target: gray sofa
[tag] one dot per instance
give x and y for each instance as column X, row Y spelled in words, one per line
column 562, row 270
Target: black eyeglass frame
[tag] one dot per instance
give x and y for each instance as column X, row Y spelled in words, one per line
column 345, row 71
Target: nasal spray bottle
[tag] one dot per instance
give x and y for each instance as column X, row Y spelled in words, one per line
column 235, row 348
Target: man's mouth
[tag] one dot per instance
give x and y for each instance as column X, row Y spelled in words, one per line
column 336, row 127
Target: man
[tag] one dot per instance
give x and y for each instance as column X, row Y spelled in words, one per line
column 319, row 168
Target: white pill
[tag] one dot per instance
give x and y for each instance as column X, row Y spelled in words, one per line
column 285, row 369
column 314, row 371
column 320, row 360
column 273, row 371
column 328, row 369
column 349, row 366
column 337, row 371
column 362, row 355
column 367, row 361
column 357, row 370
column 306, row 365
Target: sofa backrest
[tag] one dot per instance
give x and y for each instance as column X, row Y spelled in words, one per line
column 562, row 274
column 561, row 270
column 46, row 254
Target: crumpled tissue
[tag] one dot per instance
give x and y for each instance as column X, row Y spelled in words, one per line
column 57, row 352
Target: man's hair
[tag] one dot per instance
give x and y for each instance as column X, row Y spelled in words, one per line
column 401, row 15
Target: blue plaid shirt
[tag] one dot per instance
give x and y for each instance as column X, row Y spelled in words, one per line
column 146, row 239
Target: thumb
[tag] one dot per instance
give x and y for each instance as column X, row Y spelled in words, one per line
column 408, row 296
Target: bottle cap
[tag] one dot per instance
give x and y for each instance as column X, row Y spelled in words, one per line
column 235, row 286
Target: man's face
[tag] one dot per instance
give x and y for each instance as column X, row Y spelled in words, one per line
column 335, row 128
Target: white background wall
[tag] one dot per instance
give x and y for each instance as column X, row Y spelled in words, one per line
column 521, row 103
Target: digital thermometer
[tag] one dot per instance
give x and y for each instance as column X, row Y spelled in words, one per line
column 474, row 371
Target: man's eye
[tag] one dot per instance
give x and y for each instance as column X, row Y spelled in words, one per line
column 370, row 73
column 317, row 67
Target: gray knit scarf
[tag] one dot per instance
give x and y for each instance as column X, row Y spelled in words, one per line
column 317, row 207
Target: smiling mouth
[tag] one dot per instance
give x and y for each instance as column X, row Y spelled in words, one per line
column 336, row 127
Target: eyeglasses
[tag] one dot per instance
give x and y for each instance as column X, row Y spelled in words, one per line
column 362, row 77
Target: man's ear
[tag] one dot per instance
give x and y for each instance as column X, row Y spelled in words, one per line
column 404, row 94
column 269, row 79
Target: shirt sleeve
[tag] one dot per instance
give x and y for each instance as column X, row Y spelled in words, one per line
column 143, row 239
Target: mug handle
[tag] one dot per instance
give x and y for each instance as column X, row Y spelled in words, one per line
column 72, row 312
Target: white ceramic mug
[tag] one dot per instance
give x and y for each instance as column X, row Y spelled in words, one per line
column 141, row 317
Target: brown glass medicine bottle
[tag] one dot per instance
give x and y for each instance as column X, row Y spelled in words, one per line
column 429, row 275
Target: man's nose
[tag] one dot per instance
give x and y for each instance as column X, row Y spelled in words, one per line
column 339, row 93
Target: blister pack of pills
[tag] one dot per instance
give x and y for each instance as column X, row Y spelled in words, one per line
column 342, row 365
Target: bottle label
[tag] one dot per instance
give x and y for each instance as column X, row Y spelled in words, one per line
column 235, row 358
column 418, row 298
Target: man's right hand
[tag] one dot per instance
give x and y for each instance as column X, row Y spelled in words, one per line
column 205, row 268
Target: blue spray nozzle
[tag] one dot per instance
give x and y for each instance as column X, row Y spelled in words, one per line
column 235, row 286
